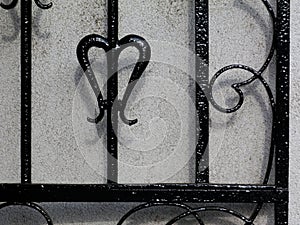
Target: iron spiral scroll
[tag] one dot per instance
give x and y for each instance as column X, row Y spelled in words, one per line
column 257, row 75
column 113, row 46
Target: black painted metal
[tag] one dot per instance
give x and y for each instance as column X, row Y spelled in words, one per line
column 282, row 109
column 156, row 195
column 26, row 14
column 202, row 79
column 192, row 193
column 32, row 206
column 113, row 48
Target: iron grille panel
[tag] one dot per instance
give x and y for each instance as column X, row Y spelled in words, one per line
column 177, row 195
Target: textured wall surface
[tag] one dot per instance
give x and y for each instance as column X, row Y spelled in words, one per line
column 68, row 149
column 295, row 122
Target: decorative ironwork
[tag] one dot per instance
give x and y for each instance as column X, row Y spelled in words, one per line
column 190, row 211
column 113, row 47
column 15, row 2
column 158, row 195
column 9, row 6
column 257, row 75
column 32, row 206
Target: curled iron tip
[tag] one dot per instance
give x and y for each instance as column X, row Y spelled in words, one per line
column 42, row 5
column 9, row 6
column 144, row 57
column 98, row 119
column 127, row 121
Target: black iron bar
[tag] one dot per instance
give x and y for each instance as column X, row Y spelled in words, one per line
column 112, row 93
column 26, row 14
column 113, row 22
column 202, row 79
column 282, row 107
column 169, row 194
column 282, row 211
column 282, row 93
column 193, row 193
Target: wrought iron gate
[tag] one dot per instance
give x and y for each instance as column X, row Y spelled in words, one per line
column 201, row 191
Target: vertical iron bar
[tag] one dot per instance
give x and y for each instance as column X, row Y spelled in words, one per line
column 202, row 79
column 113, row 22
column 282, row 107
column 26, row 14
column 112, row 93
column 281, row 213
column 282, row 93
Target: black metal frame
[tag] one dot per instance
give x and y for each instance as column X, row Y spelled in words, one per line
column 176, row 195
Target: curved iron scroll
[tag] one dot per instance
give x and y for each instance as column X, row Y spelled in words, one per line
column 98, row 41
column 9, row 6
column 32, row 206
column 257, row 75
column 190, row 211
column 15, row 2
column 113, row 48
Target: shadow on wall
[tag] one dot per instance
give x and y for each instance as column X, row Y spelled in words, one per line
column 107, row 213
column 110, row 214
column 15, row 18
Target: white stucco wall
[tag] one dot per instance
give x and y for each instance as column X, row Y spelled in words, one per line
column 294, row 125
column 67, row 149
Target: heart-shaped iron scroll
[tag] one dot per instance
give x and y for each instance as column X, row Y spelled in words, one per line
column 98, row 41
column 15, row 2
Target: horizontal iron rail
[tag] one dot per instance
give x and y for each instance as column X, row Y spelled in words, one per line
column 192, row 193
